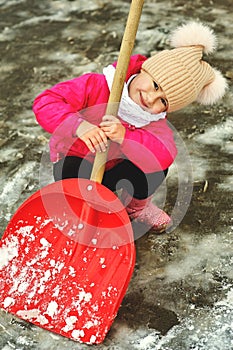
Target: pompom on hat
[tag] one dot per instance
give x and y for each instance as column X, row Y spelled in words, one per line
column 182, row 73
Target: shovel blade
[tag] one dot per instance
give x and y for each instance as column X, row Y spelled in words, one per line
column 66, row 260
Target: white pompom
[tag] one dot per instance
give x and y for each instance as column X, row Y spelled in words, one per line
column 194, row 33
column 213, row 91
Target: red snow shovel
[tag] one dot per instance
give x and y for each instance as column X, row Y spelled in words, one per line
column 67, row 255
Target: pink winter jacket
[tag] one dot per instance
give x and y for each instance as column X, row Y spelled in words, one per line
column 59, row 110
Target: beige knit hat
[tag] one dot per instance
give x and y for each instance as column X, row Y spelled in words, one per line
column 181, row 72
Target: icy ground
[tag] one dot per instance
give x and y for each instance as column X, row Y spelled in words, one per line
column 181, row 293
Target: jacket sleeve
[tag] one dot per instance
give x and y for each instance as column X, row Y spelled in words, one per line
column 151, row 148
column 61, row 103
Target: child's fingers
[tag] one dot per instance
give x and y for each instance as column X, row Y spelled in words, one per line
column 93, row 145
column 103, row 137
column 96, row 140
column 99, row 143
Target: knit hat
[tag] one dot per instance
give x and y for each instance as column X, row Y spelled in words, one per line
column 181, row 72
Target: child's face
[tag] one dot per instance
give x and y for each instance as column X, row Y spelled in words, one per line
column 144, row 91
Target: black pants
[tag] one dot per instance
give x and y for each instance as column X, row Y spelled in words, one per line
column 124, row 175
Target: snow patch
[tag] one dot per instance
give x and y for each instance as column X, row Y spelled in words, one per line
column 43, row 280
column 33, row 314
column 72, row 271
column 147, row 342
column 45, row 243
column 19, row 181
column 102, row 260
column 92, row 339
column 23, row 287
column 70, row 323
column 45, row 222
column 57, row 265
column 94, row 241
column 52, row 309
column 193, row 259
column 219, row 134
column 45, row 246
column 8, row 302
column 78, row 333
column 25, row 231
column 9, row 251
column 90, row 324
column 83, row 296
column 56, row 291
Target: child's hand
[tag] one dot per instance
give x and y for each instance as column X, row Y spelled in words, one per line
column 93, row 136
column 113, row 128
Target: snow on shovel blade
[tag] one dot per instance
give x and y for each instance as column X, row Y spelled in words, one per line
column 60, row 276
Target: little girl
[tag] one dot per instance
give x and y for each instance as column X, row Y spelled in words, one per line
column 142, row 146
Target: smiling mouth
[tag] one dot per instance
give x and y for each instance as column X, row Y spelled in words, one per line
column 142, row 102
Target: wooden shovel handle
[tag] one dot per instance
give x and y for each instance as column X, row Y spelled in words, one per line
column 126, row 49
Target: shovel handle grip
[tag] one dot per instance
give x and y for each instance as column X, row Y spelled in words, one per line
column 126, row 49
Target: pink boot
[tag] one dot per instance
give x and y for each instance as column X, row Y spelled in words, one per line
column 144, row 211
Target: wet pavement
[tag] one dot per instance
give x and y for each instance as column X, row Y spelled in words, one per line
column 181, row 293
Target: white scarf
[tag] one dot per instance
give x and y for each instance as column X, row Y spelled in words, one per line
column 128, row 110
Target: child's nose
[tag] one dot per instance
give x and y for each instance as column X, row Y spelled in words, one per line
column 151, row 97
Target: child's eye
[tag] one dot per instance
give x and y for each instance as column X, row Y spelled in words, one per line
column 164, row 102
column 156, row 85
